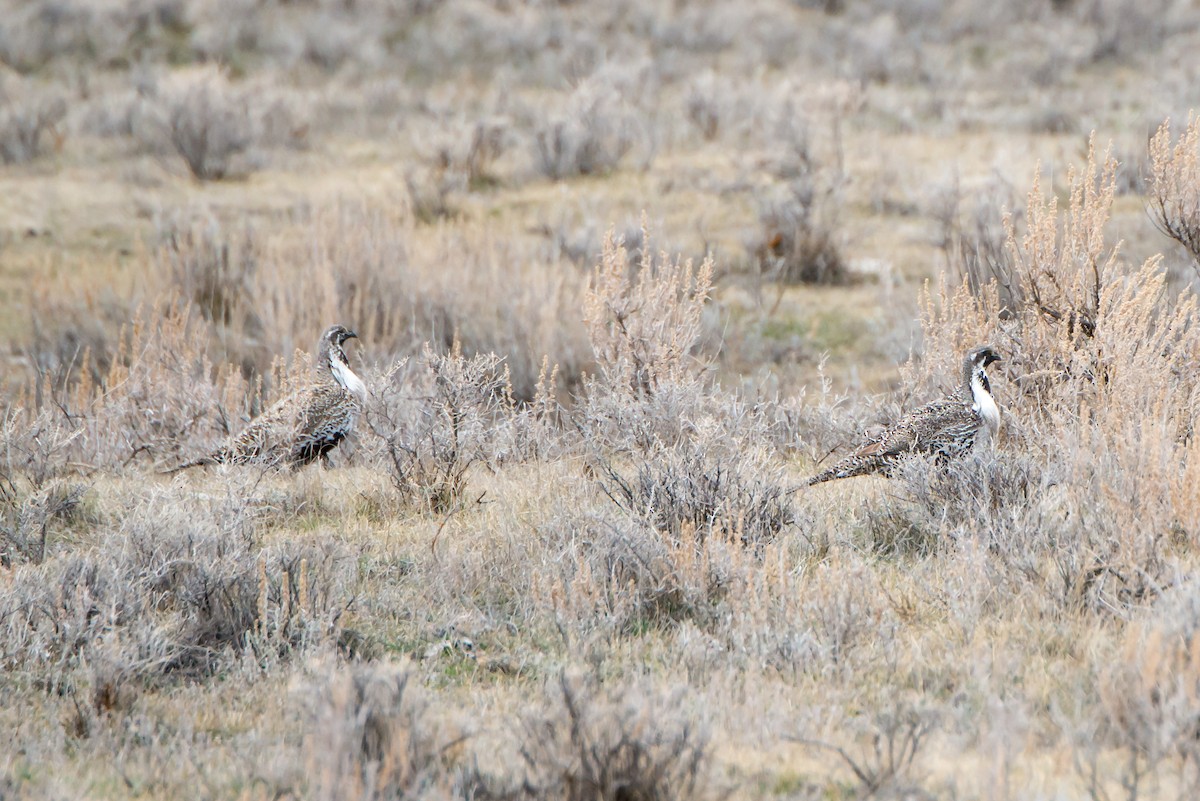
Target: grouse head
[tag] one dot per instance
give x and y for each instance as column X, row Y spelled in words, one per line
column 983, row 356
column 330, row 346
column 974, row 366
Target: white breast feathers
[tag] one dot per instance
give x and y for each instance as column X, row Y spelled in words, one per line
column 985, row 405
column 349, row 381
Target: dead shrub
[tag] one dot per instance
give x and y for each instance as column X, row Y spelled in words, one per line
column 535, row 430
column 595, row 129
column 34, row 448
column 1144, row 729
column 625, row 577
column 29, row 121
column 359, row 263
column 644, row 319
column 1102, row 356
column 848, row 614
column 468, row 149
column 332, row 39
column 373, row 735
column 977, row 248
column 177, row 587
column 1174, row 185
column 41, row 35
column 731, row 493
column 983, row 495
column 588, row 745
column 1123, row 29
column 1059, row 277
column 30, row 37
column 431, row 193
column 486, row 142
column 896, row 736
column 260, row 292
column 26, row 521
column 438, row 421
column 899, row 529
column 216, row 584
column 769, row 614
column 1113, row 552
column 35, row 499
column 208, row 124
column 708, row 105
column 160, row 398
column 1007, row 498
column 213, row 270
column 615, row 424
column 74, row 338
column 282, row 118
column 692, row 466
column 798, row 241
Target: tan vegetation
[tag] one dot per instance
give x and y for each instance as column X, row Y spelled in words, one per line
column 1174, row 177
column 623, row 274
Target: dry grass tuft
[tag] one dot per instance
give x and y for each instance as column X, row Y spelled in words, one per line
column 208, row 124
column 212, row 270
column 373, row 735
column 799, row 241
column 28, row 518
column 173, row 589
column 885, row 767
column 703, row 485
column 597, row 126
column 30, row 122
column 1143, row 732
column 438, row 421
column 644, row 319
column 588, row 744
column 1174, row 185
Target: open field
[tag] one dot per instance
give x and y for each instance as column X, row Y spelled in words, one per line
column 624, row 274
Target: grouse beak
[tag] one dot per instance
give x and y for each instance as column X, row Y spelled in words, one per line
column 351, row 335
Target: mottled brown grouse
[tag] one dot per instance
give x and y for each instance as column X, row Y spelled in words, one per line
column 948, row 427
column 305, row 425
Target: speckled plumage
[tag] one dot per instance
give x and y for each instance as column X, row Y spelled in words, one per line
column 947, row 428
column 305, row 425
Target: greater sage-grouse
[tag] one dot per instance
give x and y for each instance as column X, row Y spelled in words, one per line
column 946, row 427
column 305, row 425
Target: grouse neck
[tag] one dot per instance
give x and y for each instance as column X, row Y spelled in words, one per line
column 346, row 377
column 983, row 401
